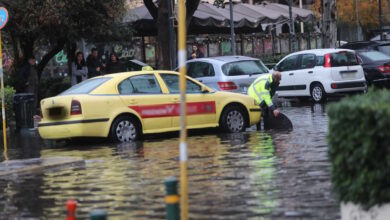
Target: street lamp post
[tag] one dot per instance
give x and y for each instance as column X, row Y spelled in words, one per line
column 380, row 19
column 232, row 28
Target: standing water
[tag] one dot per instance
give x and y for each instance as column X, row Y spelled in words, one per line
column 250, row 175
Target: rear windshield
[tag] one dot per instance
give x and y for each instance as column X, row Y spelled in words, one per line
column 374, row 55
column 344, row 58
column 385, row 49
column 86, row 86
column 247, row 67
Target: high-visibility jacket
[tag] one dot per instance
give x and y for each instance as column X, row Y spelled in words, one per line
column 262, row 90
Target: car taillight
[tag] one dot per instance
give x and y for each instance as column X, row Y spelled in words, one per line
column 358, row 60
column 227, row 85
column 327, row 61
column 384, row 69
column 75, row 108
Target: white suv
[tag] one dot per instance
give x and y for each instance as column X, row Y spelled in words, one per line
column 320, row 72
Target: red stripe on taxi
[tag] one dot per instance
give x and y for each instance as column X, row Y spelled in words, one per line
column 170, row 110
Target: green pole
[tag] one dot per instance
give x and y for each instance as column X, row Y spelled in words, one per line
column 98, row 214
column 171, row 199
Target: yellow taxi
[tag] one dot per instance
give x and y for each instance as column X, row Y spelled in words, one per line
column 124, row 106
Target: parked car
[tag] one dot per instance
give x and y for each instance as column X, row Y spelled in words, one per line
column 320, row 72
column 227, row 73
column 381, row 46
column 126, row 105
column 376, row 66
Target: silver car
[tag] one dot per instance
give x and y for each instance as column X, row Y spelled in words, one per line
column 228, row 73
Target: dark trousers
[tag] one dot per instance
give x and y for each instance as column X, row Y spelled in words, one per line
column 266, row 116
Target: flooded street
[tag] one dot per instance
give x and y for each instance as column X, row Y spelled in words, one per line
column 251, row 175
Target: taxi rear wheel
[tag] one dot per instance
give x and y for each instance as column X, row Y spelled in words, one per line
column 125, row 129
column 233, row 119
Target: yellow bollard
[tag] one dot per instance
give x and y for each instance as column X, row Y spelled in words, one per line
column 182, row 57
column 2, row 101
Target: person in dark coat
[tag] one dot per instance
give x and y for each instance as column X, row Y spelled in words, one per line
column 29, row 80
column 24, row 75
column 94, row 64
column 114, row 65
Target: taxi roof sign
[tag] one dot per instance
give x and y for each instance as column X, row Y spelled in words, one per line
column 147, row 68
column 3, row 17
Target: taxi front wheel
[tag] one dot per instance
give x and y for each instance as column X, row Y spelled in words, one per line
column 124, row 129
column 233, row 119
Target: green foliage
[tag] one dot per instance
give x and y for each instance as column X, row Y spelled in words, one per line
column 9, row 93
column 53, row 86
column 359, row 148
column 51, row 20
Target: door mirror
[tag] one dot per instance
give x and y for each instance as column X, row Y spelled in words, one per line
column 205, row 90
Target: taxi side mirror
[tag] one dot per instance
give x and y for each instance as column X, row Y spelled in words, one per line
column 204, row 90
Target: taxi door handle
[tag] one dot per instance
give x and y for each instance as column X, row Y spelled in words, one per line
column 176, row 99
column 291, row 74
column 133, row 101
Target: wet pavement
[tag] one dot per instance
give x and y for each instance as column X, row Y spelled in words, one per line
column 250, row 175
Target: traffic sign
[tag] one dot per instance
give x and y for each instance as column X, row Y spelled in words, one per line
column 3, row 17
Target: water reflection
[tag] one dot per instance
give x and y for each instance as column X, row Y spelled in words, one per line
column 231, row 176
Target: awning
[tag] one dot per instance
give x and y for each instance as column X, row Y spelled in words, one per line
column 210, row 18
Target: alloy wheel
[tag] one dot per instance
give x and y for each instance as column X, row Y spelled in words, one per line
column 126, row 131
column 317, row 93
column 235, row 121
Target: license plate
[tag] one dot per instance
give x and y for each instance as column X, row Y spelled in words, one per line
column 348, row 75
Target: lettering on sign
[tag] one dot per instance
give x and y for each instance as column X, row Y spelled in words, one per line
column 171, row 110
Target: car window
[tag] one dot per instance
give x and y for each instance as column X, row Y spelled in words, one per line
column 141, row 84
column 308, row 61
column 200, row 69
column 247, row 67
column 86, row 86
column 374, row 55
column 172, row 82
column 344, row 58
column 290, row 63
column 320, row 61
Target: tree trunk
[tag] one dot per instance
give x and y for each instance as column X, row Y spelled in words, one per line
column 27, row 46
column 47, row 57
column 329, row 23
column 160, row 15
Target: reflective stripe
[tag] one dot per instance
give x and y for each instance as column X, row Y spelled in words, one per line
column 257, row 93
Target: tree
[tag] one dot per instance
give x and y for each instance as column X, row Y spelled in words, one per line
column 329, row 23
column 34, row 23
column 367, row 10
column 159, row 13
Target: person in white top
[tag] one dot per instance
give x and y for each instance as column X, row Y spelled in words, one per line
column 79, row 69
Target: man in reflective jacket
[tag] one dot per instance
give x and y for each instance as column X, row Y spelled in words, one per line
column 262, row 90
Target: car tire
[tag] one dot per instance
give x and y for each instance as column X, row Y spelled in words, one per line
column 317, row 93
column 233, row 120
column 125, row 129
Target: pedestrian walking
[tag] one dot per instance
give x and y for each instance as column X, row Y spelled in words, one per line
column 262, row 90
column 196, row 53
column 79, row 69
column 114, row 65
column 95, row 66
